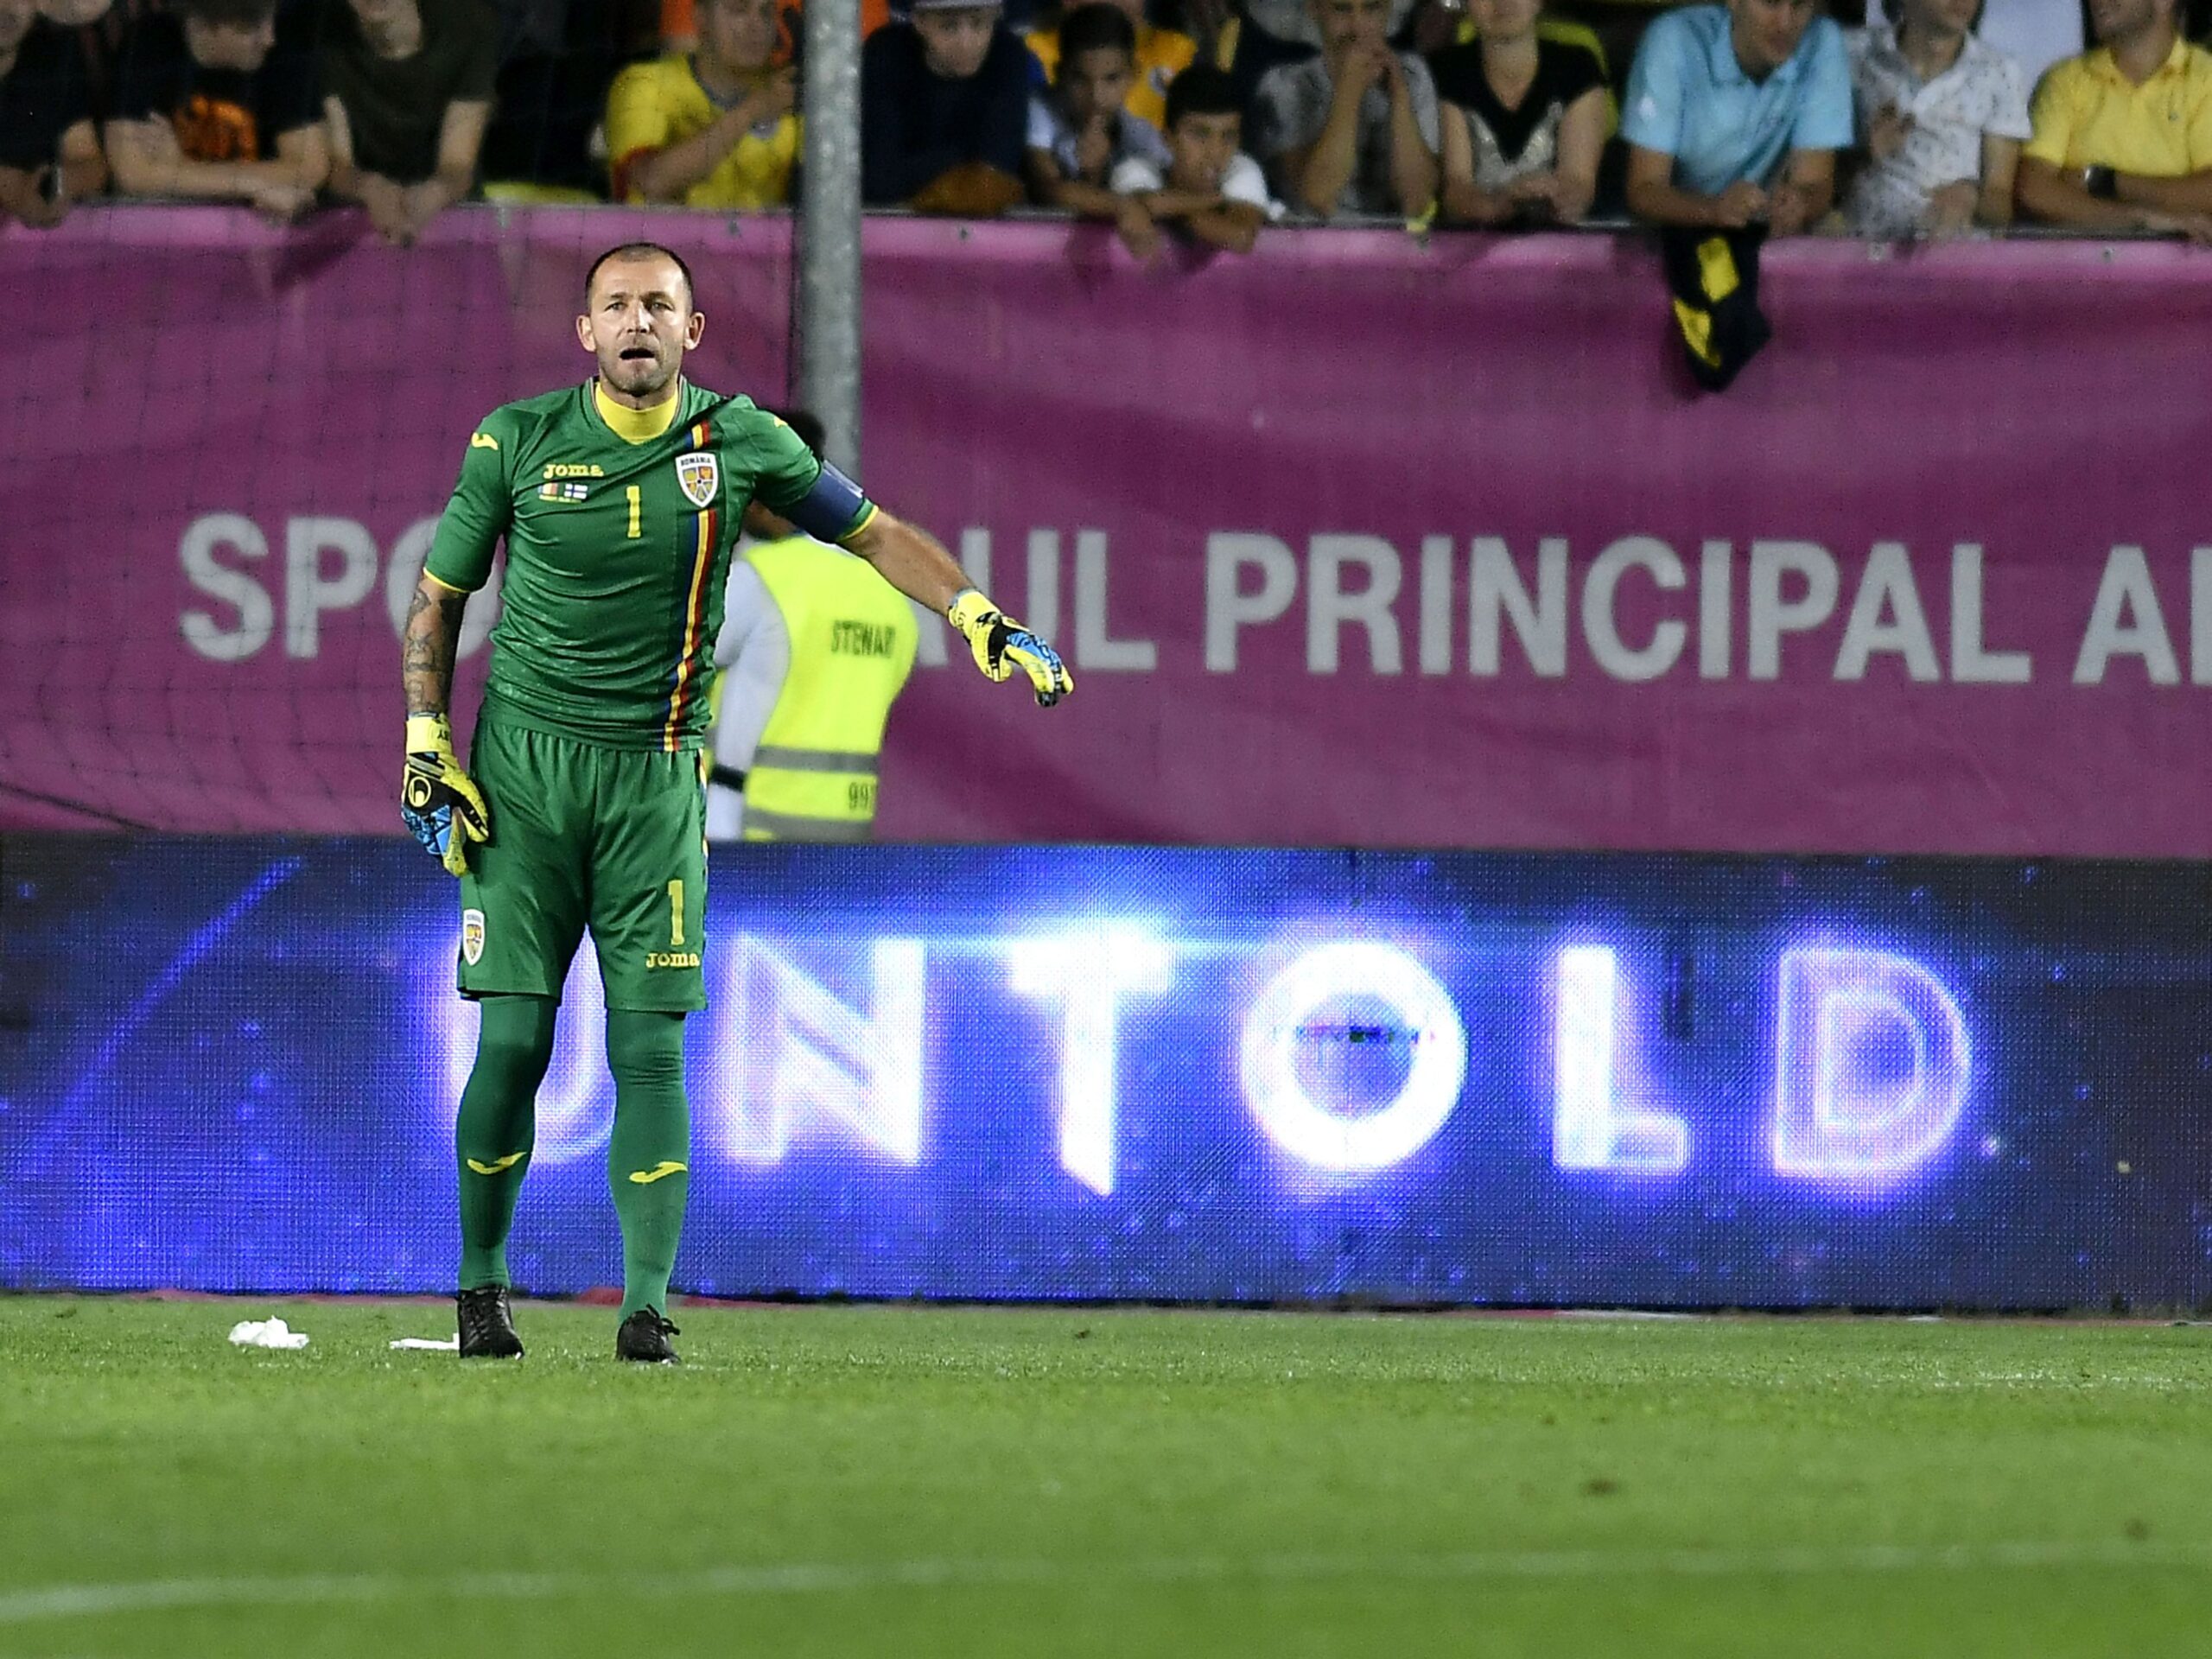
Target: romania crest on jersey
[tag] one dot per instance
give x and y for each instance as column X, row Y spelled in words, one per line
column 701, row 475
column 471, row 936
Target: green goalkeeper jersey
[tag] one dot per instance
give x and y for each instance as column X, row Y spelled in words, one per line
column 618, row 548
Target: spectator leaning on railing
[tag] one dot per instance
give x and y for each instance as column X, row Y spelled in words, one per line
column 1210, row 187
column 716, row 129
column 49, row 149
column 944, row 111
column 2123, row 135
column 1079, row 132
column 208, row 106
column 1735, row 114
column 407, row 89
column 1942, row 118
column 1353, row 131
column 1524, row 120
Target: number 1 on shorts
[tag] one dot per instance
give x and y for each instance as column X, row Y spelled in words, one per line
column 675, row 915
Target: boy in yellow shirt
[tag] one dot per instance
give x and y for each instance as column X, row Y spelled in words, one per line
column 716, row 129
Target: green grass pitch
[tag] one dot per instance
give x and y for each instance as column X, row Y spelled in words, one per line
column 911, row 1481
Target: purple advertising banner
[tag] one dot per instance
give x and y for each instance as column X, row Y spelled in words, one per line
column 1361, row 540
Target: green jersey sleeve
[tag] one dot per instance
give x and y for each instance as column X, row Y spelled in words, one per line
column 478, row 515
column 788, row 479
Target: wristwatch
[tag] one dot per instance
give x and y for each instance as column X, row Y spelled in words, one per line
column 2100, row 182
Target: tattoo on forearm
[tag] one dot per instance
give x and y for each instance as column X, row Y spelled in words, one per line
column 428, row 648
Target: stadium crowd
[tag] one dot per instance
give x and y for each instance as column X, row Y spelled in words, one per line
column 1938, row 118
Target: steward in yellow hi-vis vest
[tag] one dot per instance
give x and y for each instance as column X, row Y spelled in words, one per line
column 815, row 648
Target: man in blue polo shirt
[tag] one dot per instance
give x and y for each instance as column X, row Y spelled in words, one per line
column 1734, row 115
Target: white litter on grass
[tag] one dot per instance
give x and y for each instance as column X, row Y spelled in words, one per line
column 433, row 1344
column 1621, row 1313
column 267, row 1333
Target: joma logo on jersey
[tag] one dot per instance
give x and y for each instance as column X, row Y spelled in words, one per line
column 572, row 469
column 700, row 475
column 671, row 958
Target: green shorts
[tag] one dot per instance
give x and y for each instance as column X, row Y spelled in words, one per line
column 584, row 836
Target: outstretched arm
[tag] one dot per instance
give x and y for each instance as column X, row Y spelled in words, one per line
column 911, row 560
column 829, row 506
column 915, row 562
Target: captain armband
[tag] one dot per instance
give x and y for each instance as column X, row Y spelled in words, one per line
column 833, row 509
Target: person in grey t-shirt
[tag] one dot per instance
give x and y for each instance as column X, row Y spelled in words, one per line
column 1353, row 131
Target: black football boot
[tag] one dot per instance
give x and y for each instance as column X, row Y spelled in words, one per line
column 644, row 1338
column 487, row 1324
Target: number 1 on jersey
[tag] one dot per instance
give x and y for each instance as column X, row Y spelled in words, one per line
column 637, row 500
column 675, row 915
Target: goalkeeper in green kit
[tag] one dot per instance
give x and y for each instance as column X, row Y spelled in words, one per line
column 583, row 801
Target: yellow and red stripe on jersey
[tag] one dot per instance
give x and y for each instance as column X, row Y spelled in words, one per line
column 683, row 692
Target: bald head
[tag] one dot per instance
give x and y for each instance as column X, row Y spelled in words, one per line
column 638, row 319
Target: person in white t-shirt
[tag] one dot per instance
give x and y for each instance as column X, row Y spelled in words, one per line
column 1211, row 187
column 1942, row 117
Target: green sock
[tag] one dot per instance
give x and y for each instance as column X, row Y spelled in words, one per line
column 647, row 1156
column 497, row 1128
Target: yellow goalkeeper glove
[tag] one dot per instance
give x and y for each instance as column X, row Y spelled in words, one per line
column 1002, row 644
column 438, row 800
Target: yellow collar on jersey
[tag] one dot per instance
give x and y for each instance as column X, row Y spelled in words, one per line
column 636, row 425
